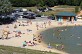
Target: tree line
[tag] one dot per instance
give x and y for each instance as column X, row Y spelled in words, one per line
column 6, row 5
column 27, row 3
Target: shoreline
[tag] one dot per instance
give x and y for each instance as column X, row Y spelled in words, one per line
column 43, row 43
column 42, row 46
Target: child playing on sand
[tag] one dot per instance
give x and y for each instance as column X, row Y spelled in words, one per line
column 27, row 23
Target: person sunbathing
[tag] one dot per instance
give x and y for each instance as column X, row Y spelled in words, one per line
column 31, row 43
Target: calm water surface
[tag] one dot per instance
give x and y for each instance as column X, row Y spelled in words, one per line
column 70, row 37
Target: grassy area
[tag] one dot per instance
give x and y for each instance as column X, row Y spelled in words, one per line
column 55, row 12
column 17, row 50
column 57, row 9
column 65, row 6
column 61, row 8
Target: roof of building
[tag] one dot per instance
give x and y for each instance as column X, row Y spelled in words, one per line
column 65, row 14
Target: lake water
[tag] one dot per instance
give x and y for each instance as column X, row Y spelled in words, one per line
column 70, row 37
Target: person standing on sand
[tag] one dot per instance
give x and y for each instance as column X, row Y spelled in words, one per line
column 27, row 23
column 34, row 37
column 30, row 22
column 37, row 26
column 49, row 46
column 15, row 26
column 49, row 23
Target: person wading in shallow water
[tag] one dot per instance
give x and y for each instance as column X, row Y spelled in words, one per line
column 45, row 24
column 37, row 26
column 62, row 46
column 49, row 46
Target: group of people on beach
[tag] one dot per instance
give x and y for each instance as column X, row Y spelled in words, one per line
column 35, row 38
column 29, row 43
column 44, row 24
column 5, row 33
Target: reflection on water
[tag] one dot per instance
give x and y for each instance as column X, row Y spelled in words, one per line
column 70, row 37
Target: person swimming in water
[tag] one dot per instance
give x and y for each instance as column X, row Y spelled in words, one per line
column 62, row 46
column 49, row 46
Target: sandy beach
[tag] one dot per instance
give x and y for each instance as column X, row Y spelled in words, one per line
column 27, row 31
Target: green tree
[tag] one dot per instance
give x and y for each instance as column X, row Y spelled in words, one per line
column 5, row 7
column 23, row 3
column 40, row 3
column 81, row 5
column 50, row 2
column 32, row 2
